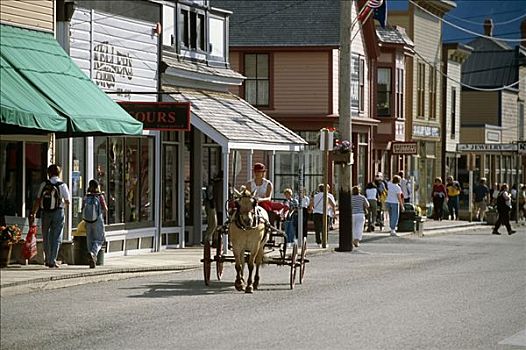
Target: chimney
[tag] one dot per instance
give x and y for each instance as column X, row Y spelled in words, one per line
column 523, row 30
column 488, row 27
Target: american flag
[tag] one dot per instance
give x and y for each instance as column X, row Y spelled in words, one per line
column 374, row 4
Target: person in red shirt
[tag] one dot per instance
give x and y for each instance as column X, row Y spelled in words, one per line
column 439, row 197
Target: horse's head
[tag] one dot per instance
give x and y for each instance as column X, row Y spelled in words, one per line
column 245, row 200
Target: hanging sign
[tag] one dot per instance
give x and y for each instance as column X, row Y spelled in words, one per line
column 404, row 148
column 165, row 116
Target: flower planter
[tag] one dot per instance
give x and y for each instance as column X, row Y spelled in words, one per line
column 5, row 253
column 342, row 158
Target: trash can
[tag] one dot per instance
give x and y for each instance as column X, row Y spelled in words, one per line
column 407, row 220
column 80, row 250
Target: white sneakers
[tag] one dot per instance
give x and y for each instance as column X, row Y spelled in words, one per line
column 393, row 233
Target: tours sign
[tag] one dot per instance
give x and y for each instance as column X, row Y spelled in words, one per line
column 165, row 116
column 404, row 148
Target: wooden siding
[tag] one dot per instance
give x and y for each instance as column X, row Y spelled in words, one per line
column 335, row 81
column 118, row 53
column 509, row 117
column 479, row 108
column 235, row 64
column 301, row 82
column 32, row 14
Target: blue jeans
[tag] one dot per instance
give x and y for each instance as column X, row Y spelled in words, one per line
column 52, row 228
column 394, row 214
column 452, row 206
column 95, row 235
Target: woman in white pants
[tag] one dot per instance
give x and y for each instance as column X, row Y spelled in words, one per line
column 360, row 206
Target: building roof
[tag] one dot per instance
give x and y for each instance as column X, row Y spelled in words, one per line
column 491, row 64
column 235, row 124
column 393, row 35
column 283, row 22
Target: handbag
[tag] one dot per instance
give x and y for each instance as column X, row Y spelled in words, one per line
column 30, row 245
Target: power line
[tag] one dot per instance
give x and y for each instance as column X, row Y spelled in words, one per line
column 462, row 28
column 467, row 85
column 493, row 14
column 272, row 12
column 494, row 23
column 473, row 36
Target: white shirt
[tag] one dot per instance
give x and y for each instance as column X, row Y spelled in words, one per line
column 318, row 203
column 406, row 188
column 371, row 193
column 261, row 190
column 392, row 192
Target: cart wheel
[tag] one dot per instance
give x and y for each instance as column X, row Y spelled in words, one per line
column 302, row 259
column 219, row 256
column 293, row 257
column 207, row 263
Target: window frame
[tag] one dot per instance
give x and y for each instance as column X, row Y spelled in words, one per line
column 389, row 92
column 420, row 88
column 257, row 79
column 432, row 92
column 453, row 112
column 192, row 32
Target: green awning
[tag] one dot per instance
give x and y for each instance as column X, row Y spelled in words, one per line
column 39, row 59
column 22, row 109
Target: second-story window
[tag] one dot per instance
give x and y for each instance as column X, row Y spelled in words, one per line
column 257, row 85
column 192, row 29
column 361, row 91
column 400, row 93
column 384, row 92
column 453, row 112
column 421, row 81
column 432, row 92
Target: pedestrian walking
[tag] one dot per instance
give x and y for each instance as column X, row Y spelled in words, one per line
column 360, row 207
column 503, row 208
column 481, row 194
column 439, row 195
column 52, row 197
column 371, row 193
column 394, row 203
column 317, row 206
column 453, row 197
column 405, row 184
column 94, row 209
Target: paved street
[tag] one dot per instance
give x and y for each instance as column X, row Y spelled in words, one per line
column 458, row 291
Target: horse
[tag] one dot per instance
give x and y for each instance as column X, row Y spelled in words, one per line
column 248, row 231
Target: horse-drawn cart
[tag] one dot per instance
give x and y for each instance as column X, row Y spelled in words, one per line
column 273, row 249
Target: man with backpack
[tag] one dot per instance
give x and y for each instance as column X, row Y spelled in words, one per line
column 52, row 196
column 504, row 208
column 93, row 206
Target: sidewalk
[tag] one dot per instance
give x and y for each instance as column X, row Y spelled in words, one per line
column 16, row 279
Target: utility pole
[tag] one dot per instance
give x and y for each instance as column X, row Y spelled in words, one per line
column 344, row 108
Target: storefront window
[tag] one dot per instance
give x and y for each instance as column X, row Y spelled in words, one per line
column 125, row 174
column 79, row 179
column 10, row 173
column 170, row 192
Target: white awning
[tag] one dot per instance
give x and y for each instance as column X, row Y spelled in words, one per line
column 235, row 124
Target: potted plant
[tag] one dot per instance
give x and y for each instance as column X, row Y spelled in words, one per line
column 9, row 235
column 492, row 215
column 342, row 152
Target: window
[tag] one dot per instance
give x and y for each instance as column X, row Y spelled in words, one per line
column 400, row 93
column 361, row 91
column 521, row 121
column 125, row 174
column 384, row 92
column 217, row 36
column 453, row 112
column 357, row 84
column 168, row 24
column 257, row 87
column 421, row 81
column 432, row 93
column 192, row 29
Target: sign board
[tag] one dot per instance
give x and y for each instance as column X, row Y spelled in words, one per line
column 326, row 139
column 522, row 147
column 404, row 148
column 165, row 116
column 487, row 147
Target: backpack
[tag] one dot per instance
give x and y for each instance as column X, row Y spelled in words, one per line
column 50, row 196
column 91, row 210
column 501, row 201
